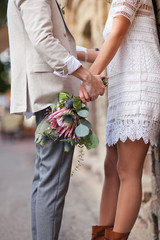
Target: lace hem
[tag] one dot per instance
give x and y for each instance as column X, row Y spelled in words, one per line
column 133, row 129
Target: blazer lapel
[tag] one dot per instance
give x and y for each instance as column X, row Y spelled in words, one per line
column 63, row 18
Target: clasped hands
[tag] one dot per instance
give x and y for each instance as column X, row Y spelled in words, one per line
column 92, row 88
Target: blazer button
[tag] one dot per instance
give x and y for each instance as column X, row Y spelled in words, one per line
column 65, row 35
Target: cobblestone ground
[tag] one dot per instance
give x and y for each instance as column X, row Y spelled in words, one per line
column 82, row 202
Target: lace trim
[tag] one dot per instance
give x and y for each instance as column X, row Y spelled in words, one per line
column 125, row 4
column 146, row 7
column 127, row 8
column 143, row 13
column 125, row 14
column 133, row 129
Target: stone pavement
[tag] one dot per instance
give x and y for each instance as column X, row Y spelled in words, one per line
column 82, row 201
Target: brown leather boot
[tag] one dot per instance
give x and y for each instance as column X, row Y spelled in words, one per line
column 110, row 235
column 98, row 232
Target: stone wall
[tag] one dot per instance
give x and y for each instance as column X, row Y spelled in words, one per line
column 158, row 15
column 86, row 19
column 155, row 201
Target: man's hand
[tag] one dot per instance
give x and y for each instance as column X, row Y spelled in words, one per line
column 92, row 85
column 93, row 88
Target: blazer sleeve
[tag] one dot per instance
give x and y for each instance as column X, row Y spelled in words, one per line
column 36, row 16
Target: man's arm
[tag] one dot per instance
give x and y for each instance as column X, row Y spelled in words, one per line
column 38, row 24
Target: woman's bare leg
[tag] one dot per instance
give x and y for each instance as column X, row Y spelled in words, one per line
column 131, row 156
column 110, row 188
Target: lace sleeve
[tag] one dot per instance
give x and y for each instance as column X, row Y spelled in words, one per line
column 127, row 8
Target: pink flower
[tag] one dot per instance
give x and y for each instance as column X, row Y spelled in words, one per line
column 66, row 133
column 59, row 128
column 58, row 113
column 71, row 129
column 63, row 130
column 59, row 121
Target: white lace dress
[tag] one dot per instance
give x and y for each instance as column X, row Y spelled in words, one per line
column 134, row 76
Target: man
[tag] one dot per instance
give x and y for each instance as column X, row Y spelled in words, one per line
column 43, row 53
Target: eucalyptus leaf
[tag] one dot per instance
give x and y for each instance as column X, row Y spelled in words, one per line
column 40, row 130
column 86, row 123
column 94, row 141
column 88, row 145
column 38, row 138
column 85, row 106
column 81, row 130
column 83, row 113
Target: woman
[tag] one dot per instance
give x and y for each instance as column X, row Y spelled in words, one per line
column 131, row 54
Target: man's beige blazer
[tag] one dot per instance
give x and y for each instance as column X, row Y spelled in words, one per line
column 40, row 42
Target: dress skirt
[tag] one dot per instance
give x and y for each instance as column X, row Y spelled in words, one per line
column 133, row 108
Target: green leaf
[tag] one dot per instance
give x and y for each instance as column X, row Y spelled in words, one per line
column 105, row 82
column 67, row 147
column 42, row 142
column 63, row 96
column 82, row 130
column 40, row 130
column 85, row 106
column 53, row 106
column 86, row 123
column 93, row 141
column 83, row 113
column 77, row 104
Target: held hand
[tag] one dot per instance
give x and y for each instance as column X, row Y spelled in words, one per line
column 83, row 94
column 92, row 85
column 90, row 90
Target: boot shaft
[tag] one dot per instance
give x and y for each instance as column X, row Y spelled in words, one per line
column 98, row 232
column 110, row 235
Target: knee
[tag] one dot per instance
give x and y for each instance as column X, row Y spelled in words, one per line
column 122, row 173
column 126, row 173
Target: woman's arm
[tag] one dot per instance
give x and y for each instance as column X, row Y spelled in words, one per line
column 90, row 54
column 112, row 43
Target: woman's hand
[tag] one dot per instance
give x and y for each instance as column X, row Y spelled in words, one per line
column 99, row 84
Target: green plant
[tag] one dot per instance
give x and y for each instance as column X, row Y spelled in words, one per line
column 4, row 67
column 3, row 10
column 4, row 77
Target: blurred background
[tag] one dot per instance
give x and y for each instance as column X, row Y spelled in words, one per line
column 86, row 19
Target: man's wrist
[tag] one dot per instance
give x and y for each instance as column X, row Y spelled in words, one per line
column 83, row 74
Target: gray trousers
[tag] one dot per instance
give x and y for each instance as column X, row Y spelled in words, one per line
column 50, row 185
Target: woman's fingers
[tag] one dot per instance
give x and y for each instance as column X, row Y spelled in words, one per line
column 93, row 98
column 104, row 76
column 84, row 94
column 81, row 95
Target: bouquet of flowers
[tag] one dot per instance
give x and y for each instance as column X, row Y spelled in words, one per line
column 67, row 121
